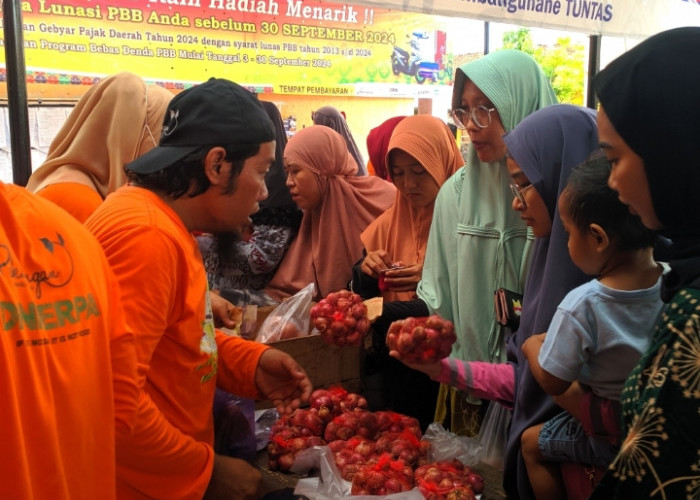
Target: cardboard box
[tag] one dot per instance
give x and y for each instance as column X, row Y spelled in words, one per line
column 326, row 365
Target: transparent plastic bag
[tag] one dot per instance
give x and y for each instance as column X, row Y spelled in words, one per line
column 290, row 319
column 445, row 445
column 493, row 435
column 331, row 485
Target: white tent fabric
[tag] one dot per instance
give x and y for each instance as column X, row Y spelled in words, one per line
column 622, row 18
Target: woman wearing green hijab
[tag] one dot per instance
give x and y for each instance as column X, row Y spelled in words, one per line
column 477, row 243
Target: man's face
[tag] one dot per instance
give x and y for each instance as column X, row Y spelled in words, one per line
column 232, row 211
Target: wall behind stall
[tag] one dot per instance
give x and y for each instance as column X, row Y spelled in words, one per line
column 363, row 113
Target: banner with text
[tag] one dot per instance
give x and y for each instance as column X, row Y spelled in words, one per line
column 280, row 46
column 624, row 18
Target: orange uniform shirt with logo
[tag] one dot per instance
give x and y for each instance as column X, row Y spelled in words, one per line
column 181, row 357
column 67, row 361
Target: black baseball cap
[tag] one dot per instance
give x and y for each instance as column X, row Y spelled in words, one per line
column 217, row 112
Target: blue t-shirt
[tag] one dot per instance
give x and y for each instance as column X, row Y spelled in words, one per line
column 598, row 334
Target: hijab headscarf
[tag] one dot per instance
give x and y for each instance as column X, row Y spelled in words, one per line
column 331, row 117
column 378, row 144
column 115, row 122
column 546, row 145
column 477, row 243
column 277, row 192
column 403, row 230
column 328, row 242
column 650, row 95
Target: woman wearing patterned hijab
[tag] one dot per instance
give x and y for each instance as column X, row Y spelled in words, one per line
column 649, row 130
column 115, row 122
column 337, row 206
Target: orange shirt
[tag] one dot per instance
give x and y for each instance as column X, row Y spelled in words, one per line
column 64, row 381
column 181, row 357
column 77, row 199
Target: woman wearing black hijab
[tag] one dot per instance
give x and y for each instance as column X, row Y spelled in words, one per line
column 649, row 127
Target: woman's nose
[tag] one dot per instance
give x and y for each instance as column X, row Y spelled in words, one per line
column 517, row 205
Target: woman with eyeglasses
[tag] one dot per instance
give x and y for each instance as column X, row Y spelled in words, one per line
column 115, row 122
column 543, row 149
column 477, row 244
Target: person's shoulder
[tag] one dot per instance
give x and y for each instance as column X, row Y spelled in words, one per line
column 580, row 295
column 34, row 212
column 686, row 302
column 34, row 220
column 451, row 189
column 130, row 208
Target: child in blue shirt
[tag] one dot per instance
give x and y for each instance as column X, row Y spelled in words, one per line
column 600, row 329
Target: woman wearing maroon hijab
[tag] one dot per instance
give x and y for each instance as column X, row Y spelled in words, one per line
column 378, row 144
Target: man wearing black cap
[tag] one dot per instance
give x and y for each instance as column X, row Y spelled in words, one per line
column 207, row 174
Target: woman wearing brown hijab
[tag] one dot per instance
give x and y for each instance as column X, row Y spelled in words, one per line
column 337, row 206
column 115, row 122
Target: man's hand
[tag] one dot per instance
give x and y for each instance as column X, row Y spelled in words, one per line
column 233, row 479
column 224, row 312
column 280, row 379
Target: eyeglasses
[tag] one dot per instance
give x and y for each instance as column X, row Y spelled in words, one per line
column 481, row 116
column 518, row 192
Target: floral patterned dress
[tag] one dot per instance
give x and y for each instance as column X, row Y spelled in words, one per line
column 660, row 455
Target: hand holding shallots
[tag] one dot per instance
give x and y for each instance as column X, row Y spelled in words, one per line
column 421, row 340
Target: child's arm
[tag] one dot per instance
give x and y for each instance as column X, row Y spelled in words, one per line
column 550, row 384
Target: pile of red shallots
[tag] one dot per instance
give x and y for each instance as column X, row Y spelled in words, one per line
column 448, row 480
column 379, row 452
column 341, row 318
column 421, row 340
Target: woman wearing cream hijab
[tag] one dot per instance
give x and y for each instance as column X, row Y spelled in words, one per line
column 115, row 122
